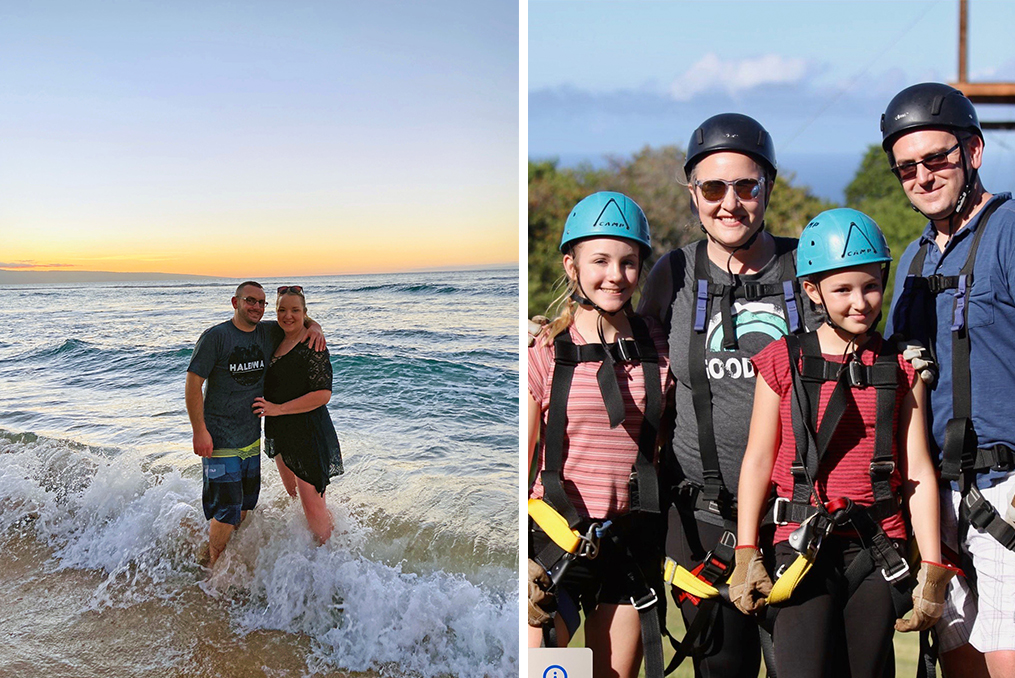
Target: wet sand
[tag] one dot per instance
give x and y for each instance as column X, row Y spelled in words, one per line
column 49, row 627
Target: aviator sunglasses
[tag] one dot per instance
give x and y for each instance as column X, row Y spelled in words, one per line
column 714, row 190
column 935, row 162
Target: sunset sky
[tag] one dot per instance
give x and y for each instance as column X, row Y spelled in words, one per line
column 258, row 139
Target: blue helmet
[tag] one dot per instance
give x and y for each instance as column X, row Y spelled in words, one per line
column 840, row 238
column 606, row 214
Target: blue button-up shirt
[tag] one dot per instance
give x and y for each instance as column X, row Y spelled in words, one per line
column 990, row 322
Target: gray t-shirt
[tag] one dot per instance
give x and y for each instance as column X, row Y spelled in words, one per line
column 730, row 373
column 233, row 362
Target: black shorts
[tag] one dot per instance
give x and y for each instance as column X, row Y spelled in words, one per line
column 231, row 485
column 605, row 579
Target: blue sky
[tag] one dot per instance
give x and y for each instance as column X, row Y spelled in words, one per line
column 174, row 136
column 612, row 77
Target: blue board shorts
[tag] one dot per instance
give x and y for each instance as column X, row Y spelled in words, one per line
column 231, row 485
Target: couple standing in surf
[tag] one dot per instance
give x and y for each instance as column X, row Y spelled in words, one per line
column 255, row 369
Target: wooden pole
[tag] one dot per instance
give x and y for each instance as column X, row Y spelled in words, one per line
column 963, row 65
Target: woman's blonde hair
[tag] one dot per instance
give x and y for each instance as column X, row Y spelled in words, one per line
column 562, row 308
column 278, row 300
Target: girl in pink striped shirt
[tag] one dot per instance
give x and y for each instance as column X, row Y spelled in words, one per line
column 593, row 414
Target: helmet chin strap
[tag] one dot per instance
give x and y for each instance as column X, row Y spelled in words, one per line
column 579, row 297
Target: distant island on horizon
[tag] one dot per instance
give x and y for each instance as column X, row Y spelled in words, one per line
column 8, row 277
column 19, row 277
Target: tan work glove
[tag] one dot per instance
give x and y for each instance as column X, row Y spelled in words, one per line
column 749, row 583
column 919, row 357
column 536, row 325
column 928, row 597
column 539, row 596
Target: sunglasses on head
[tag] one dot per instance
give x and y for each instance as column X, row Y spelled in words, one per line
column 714, row 190
column 935, row 162
column 290, row 289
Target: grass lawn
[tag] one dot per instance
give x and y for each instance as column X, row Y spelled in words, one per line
column 907, row 648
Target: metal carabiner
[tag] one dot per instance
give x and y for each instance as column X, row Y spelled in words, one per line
column 589, row 547
column 806, row 539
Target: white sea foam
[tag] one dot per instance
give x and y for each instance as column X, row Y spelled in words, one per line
column 142, row 529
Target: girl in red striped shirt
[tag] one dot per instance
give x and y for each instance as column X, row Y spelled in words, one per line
column 840, row 475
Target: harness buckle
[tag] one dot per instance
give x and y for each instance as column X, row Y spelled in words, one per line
column 886, row 467
column 1001, row 458
column 980, row 512
column 779, row 511
column 728, row 539
column 898, row 572
column 938, row 283
column 857, row 374
column 646, row 601
column 623, row 355
column 753, row 291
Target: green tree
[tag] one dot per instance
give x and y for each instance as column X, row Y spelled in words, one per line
column 792, row 207
column 552, row 194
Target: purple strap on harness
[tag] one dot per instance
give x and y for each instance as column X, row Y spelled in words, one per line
column 701, row 306
column 958, row 316
column 791, row 309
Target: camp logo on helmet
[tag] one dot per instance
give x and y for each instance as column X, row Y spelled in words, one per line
column 868, row 249
column 615, row 219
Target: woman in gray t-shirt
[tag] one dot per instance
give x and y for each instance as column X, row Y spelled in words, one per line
column 722, row 300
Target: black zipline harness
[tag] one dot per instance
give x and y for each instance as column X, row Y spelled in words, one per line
column 644, row 485
column 962, row 458
column 714, row 496
column 809, row 371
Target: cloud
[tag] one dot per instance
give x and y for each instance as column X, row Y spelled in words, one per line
column 29, row 265
column 997, row 73
column 710, row 74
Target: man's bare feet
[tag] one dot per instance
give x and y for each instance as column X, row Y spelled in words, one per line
column 204, row 556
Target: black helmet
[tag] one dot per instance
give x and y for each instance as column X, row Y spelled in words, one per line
column 731, row 132
column 929, row 105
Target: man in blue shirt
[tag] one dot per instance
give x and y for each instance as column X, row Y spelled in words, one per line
column 957, row 282
column 232, row 357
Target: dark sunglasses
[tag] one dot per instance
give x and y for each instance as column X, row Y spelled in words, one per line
column 290, row 289
column 935, row 162
column 714, row 190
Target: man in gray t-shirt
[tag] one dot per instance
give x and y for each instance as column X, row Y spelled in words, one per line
column 232, row 357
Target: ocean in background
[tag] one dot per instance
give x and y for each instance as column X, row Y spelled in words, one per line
column 100, row 509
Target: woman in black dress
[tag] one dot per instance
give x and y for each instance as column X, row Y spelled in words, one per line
column 299, row 433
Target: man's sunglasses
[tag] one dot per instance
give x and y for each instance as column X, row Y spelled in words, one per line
column 290, row 289
column 935, row 162
column 714, row 190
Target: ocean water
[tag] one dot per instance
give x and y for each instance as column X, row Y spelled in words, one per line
column 100, row 512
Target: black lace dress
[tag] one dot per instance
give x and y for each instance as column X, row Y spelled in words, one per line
column 307, row 441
